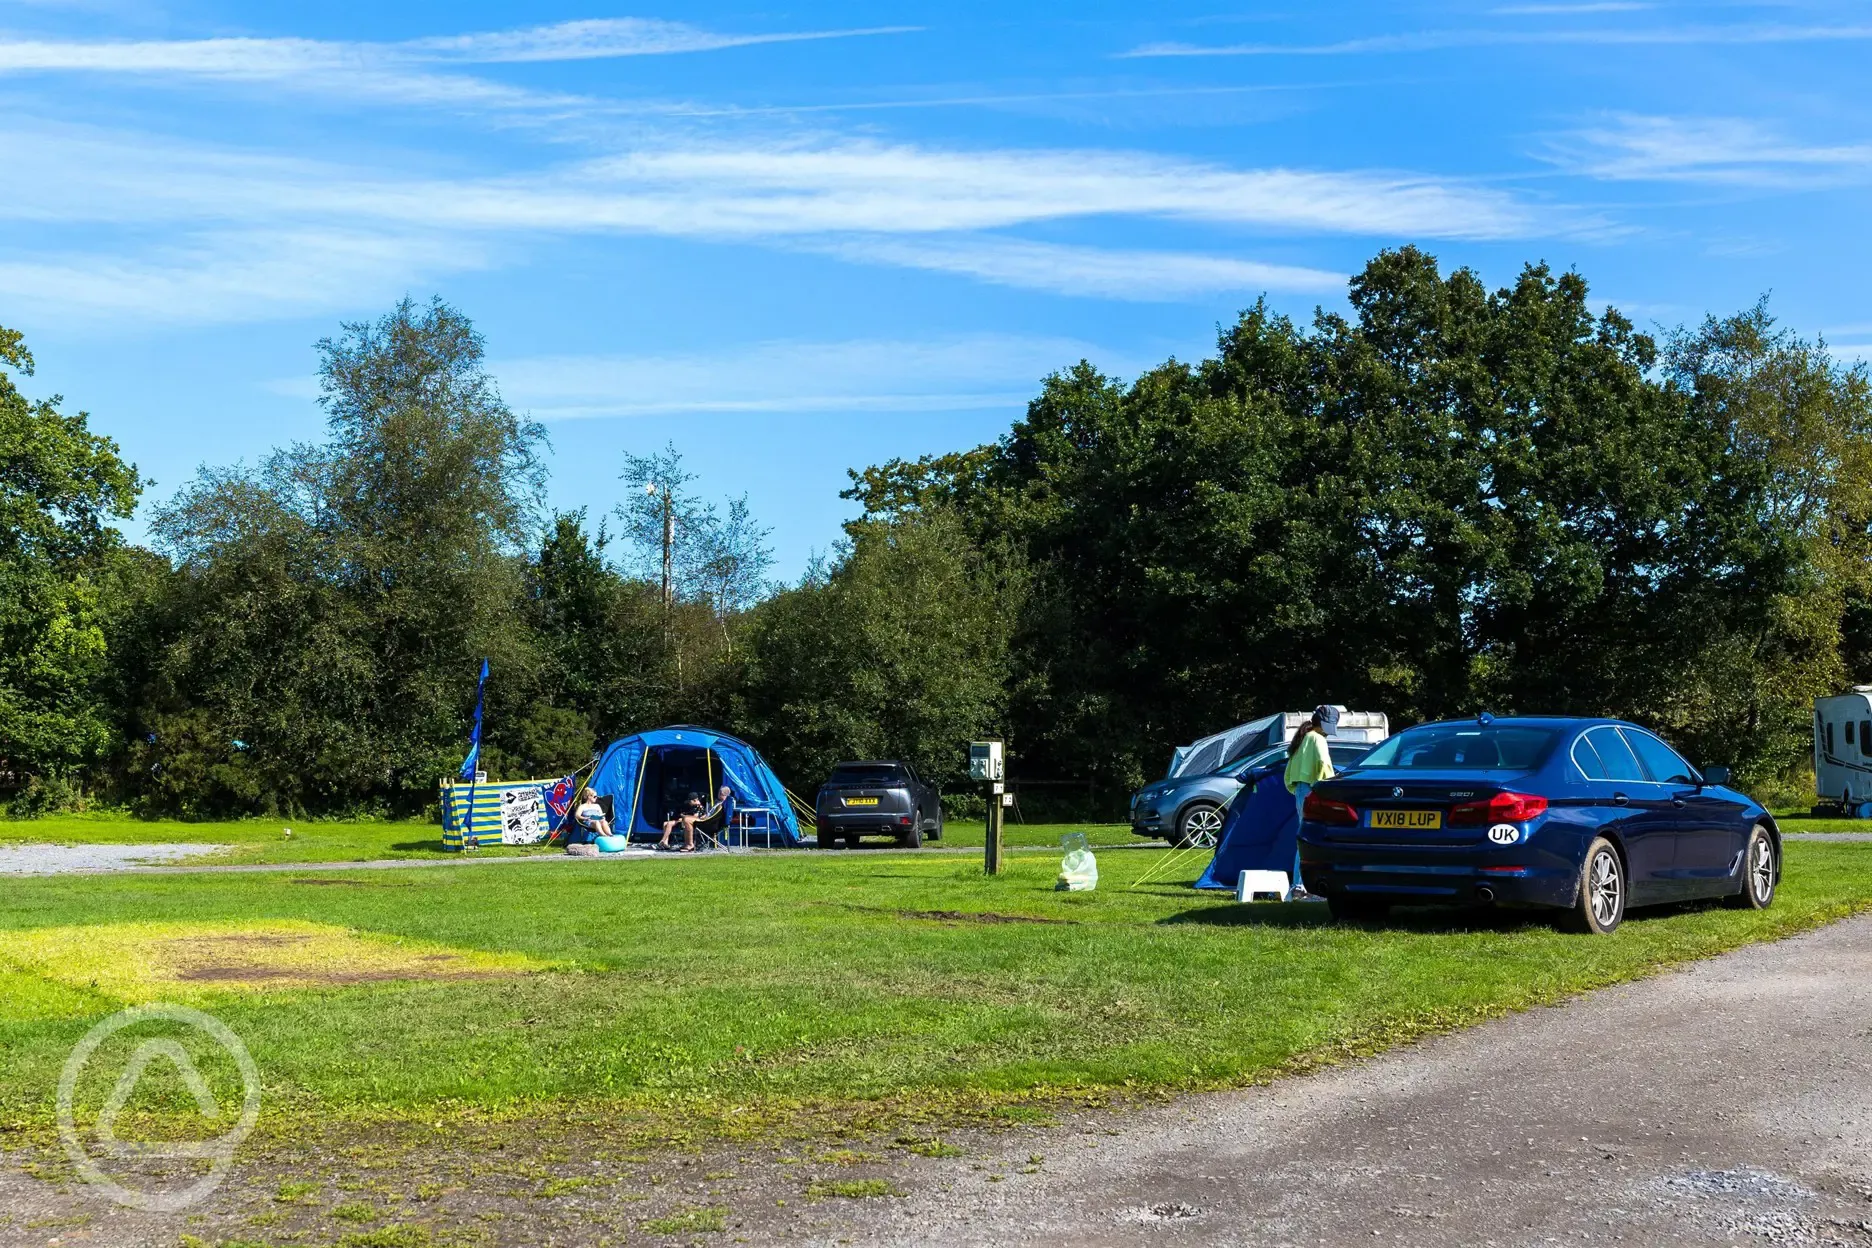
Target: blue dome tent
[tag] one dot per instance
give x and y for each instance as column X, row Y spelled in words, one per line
column 648, row 774
column 1257, row 835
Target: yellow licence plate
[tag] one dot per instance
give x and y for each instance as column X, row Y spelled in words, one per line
column 861, row 801
column 1409, row 820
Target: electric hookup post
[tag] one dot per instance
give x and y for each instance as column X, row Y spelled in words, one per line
column 986, row 767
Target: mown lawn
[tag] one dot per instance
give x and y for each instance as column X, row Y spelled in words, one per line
column 710, row 988
column 1801, row 821
column 258, row 840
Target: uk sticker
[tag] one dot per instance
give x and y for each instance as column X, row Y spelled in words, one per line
column 1504, row 834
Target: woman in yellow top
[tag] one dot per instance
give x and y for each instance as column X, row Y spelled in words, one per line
column 1309, row 761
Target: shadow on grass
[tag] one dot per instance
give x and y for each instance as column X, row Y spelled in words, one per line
column 436, row 846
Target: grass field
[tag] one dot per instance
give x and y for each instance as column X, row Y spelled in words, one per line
column 1801, row 821
column 744, row 990
column 257, row 841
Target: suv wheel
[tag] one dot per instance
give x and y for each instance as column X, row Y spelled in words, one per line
column 827, row 838
column 1200, row 825
column 913, row 837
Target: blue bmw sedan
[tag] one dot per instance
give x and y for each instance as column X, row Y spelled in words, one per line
column 1582, row 816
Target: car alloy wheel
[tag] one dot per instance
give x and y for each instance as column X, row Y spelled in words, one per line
column 1201, row 826
column 1601, row 905
column 1608, row 890
column 1759, row 872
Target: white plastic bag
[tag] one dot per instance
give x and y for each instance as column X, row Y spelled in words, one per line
column 1078, row 869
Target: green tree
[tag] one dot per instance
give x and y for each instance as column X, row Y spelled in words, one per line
column 1796, row 429
column 334, row 603
column 899, row 650
column 1450, row 499
column 60, row 487
column 599, row 636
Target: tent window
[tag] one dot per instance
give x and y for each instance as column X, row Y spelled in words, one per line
column 1207, row 760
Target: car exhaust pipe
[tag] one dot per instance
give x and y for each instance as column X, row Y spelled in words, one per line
column 1484, row 893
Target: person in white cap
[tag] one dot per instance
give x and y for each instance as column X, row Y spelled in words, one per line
column 1309, row 761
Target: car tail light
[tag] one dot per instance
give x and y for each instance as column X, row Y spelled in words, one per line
column 1329, row 810
column 904, row 821
column 1501, row 808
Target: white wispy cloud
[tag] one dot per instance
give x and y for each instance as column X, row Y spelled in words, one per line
column 1723, row 150
column 1436, row 40
column 403, row 71
column 1096, row 272
column 605, row 37
column 737, row 191
column 913, row 206
column 245, row 274
column 962, row 373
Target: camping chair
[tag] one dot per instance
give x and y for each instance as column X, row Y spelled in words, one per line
column 710, row 827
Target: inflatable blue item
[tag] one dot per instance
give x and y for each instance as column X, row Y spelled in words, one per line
column 611, row 844
column 1258, row 834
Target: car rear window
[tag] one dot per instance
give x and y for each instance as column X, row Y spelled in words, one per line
column 867, row 773
column 1465, row 747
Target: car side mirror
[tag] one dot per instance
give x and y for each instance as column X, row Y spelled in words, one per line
column 1716, row 775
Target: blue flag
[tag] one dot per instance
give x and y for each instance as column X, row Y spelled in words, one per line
column 473, row 761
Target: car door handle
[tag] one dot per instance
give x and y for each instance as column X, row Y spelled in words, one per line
column 1619, row 799
column 1678, row 802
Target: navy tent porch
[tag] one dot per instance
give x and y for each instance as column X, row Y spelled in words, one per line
column 648, row 774
column 1259, row 834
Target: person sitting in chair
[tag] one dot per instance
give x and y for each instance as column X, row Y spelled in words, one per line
column 687, row 816
column 714, row 821
column 590, row 816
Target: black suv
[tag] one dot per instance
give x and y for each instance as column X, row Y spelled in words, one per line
column 877, row 799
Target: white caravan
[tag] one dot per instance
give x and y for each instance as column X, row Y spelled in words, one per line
column 1843, row 748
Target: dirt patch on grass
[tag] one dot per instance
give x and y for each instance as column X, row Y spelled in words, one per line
column 154, row 961
column 980, row 916
column 954, row 916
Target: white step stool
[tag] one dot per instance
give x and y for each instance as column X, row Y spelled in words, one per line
column 1256, row 885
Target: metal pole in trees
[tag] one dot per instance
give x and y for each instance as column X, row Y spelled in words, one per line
column 669, row 542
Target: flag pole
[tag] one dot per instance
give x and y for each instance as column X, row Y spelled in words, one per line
column 471, row 766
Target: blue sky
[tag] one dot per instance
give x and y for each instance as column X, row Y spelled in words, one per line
column 799, row 239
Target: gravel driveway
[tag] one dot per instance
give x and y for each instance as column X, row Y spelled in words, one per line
column 61, row 859
column 1726, row 1103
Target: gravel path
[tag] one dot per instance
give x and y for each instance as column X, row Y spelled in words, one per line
column 61, row 859
column 64, row 859
column 1726, row 1103
column 150, row 859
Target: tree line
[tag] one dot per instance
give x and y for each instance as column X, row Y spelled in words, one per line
column 1449, row 499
